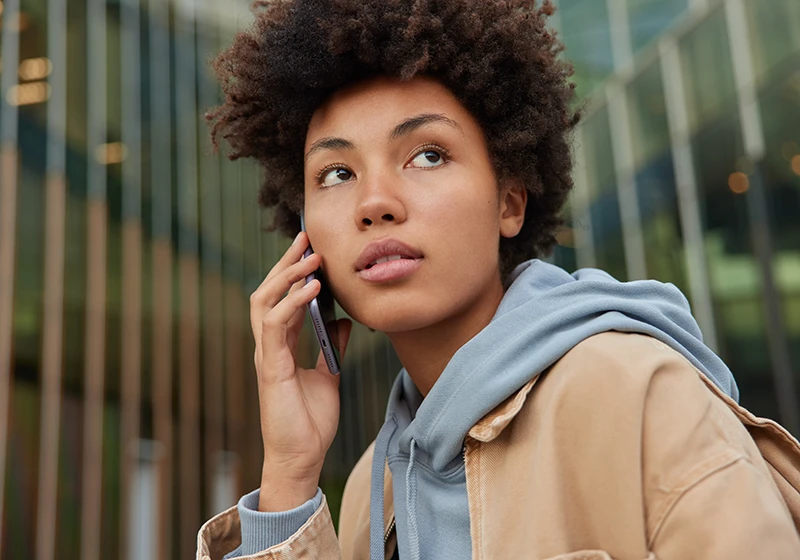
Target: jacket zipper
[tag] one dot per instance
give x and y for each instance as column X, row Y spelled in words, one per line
column 388, row 533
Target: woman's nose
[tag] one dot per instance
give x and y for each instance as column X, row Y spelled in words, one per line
column 379, row 204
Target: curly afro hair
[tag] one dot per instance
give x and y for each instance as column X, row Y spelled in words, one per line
column 497, row 56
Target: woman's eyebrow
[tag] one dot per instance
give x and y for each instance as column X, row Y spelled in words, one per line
column 403, row 129
column 410, row 125
column 330, row 143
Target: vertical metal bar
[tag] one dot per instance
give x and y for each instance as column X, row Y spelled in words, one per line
column 213, row 328
column 94, row 383
column 621, row 44
column 686, row 183
column 246, row 221
column 52, row 335
column 234, row 391
column 162, row 381
column 582, row 217
column 144, row 497
column 627, row 195
column 8, row 226
column 241, row 341
column 755, row 148
column 131, row 332
column 744, row 75
column 616, row 98
column 53, row 328
column 793, row 14
column 189, row 402
column 97, row 220
column 234, row 318
column 162, row 276
column 189, row 459
column 211, row 220
column 252, row 428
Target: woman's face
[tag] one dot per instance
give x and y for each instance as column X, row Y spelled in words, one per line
column 401, row 170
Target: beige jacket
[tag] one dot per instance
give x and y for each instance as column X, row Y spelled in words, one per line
column 622, row 450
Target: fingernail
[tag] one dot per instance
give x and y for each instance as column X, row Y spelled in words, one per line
column 297, row 237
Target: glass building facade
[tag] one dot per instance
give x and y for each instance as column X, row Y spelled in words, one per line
column 688, row 169
column 129, row 249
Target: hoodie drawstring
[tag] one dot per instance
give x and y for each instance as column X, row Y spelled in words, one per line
column 411, row 504
column 376, row 504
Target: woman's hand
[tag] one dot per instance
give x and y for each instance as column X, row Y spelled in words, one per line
column 299, row 407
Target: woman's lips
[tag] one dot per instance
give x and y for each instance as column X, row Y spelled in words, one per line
column 390, row 270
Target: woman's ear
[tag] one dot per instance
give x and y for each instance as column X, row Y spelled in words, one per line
column 513, row 201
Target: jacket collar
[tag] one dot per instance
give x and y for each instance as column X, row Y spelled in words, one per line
column 493, row 424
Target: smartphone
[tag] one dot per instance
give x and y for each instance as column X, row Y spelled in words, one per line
column 323, row 315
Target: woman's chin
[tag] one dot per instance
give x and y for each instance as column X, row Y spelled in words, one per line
column 395, row 322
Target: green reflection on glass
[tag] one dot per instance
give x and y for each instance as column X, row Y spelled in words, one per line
column 586, row 33
column 708, row 70
column 649, row 18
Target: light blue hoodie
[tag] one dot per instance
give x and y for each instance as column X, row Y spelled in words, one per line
column 544, row 313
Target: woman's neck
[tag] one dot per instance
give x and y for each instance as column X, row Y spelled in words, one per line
column 425, row 353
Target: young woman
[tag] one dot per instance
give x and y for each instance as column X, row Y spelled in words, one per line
column 538, row 414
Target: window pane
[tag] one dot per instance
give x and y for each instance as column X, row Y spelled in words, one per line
column 780, row 108
column 736, row 287
column 648, row 18
column 708, row 70
column 774, row 32
column 599, row 154
column 587, row 36
column 655, row 179
column 648, row 115
column 604, row 202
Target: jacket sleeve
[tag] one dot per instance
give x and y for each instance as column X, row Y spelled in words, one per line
column 708, row 491
column 315, row 539
column 262, row 530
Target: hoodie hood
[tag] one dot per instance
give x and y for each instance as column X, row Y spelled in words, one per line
column 543, row 315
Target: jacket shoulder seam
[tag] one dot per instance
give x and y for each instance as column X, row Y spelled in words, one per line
column 696, row 476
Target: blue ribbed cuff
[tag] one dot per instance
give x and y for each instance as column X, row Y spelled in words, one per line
column 262, row 530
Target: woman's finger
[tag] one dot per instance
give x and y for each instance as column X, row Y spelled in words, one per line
column 275, row 324
column 270, row 293
column 297, row 321
column 291, row 256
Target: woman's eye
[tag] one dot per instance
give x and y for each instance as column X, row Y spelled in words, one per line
column 336, row 177
column 428, row 158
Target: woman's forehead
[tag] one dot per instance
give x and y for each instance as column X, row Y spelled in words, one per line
column 380, row 104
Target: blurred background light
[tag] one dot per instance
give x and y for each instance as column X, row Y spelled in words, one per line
column 789, row 150
column 111, row 153
column 738, row 182
column 28, row 94
column 35, row 68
